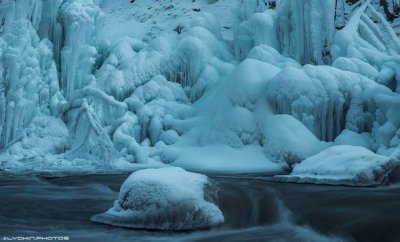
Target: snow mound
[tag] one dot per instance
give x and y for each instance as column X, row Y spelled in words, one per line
column 342, row 165
column 164, row 199
column 288, row 141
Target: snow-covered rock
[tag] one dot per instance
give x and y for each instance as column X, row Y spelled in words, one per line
column 342, row 165
column 164, row 199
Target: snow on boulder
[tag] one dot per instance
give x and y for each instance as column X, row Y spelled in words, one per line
column 164, row 199
column 342, row 165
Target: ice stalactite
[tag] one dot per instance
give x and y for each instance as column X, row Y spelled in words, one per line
column 81, row 20
column 188, row 62
column 42, row 14
column 311, row 30
column 325, row 99
column 3, row 102
column 302, row 30
column 16, row 10
column 51, row 27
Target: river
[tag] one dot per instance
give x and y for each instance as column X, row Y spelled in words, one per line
column 255, row 209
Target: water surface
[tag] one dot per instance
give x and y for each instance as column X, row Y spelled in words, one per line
column 255, row 209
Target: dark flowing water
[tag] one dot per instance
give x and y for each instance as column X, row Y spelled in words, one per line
column 255, row 210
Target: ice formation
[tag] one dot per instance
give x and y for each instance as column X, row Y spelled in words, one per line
column 164, row 199
column 343, row 165
column 150, row 84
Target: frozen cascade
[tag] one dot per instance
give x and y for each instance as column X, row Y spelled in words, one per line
column 153, row 101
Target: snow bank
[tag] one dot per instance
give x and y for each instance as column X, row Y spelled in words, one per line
column 164, row 199
column 342, row 165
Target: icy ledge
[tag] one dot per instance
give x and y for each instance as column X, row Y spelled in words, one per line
column 164, row 199
column 342, row 165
